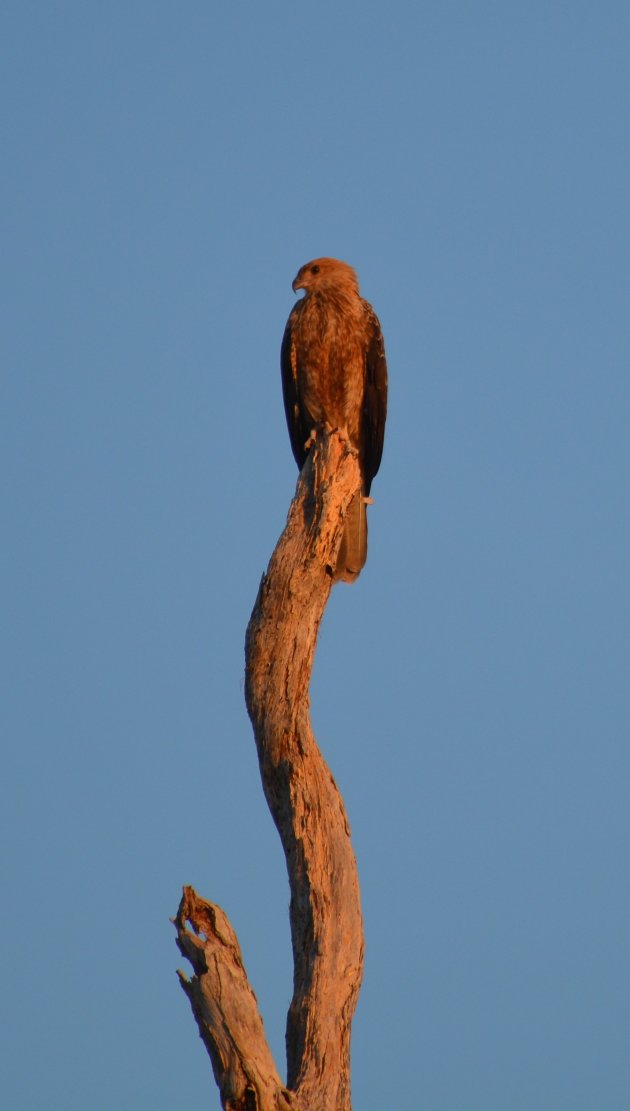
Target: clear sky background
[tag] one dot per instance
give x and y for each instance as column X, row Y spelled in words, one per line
column 166, row 168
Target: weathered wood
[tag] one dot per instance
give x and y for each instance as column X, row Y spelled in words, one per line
column 226, row 1010
column 308, row 810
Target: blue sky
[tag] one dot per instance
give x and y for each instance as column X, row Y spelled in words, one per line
column 166, row 170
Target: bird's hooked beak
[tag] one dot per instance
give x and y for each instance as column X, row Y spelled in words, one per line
column 297, row 284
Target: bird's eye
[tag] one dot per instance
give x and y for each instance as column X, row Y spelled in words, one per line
column 314, row 269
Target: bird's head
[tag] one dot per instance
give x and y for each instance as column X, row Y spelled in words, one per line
column 326, row 273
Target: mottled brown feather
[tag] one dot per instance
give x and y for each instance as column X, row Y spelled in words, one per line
column 334, row 372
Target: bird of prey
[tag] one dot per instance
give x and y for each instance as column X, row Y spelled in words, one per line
column 334, row 373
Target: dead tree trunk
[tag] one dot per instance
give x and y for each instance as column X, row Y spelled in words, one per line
column 306, row 806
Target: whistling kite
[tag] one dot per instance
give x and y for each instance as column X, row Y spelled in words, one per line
column 334, row 372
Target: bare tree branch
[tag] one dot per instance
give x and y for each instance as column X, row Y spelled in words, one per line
column 308, row 810
column 226, row 1010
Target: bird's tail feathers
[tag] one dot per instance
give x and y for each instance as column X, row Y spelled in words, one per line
column 353, row 550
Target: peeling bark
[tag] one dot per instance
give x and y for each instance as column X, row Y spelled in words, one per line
column 307, row 808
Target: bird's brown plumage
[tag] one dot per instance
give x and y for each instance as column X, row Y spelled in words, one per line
column 334, row 372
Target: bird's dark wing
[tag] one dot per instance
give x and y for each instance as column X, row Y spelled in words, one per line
column 375, row 400
column 298, row 432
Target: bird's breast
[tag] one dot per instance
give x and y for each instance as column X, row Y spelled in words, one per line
column 331, row 365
